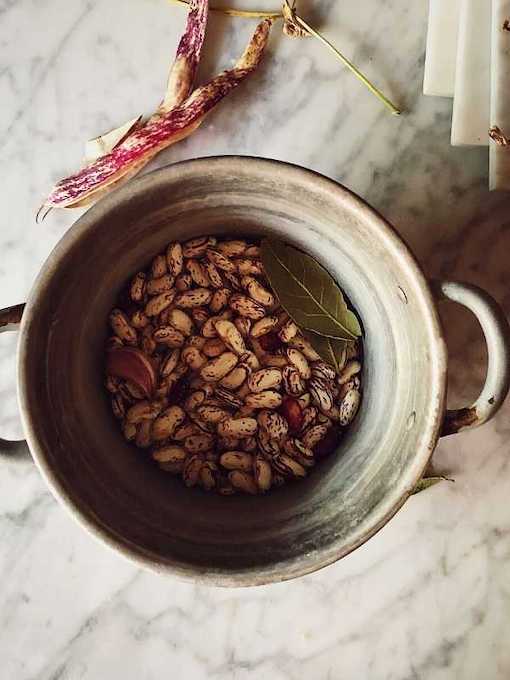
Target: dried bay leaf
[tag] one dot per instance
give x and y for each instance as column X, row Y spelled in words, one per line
column 331, row 350
column 427, row 482
column 308, row 292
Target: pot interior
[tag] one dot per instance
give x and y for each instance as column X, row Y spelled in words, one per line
column 114, row 487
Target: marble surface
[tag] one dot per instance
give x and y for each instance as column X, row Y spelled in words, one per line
column 429, row 597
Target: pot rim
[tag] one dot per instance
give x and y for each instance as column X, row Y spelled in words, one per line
column 293, row 567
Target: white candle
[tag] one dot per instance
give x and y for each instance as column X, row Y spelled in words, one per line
column 500, row 94
column 471, row 102
column 441, row 54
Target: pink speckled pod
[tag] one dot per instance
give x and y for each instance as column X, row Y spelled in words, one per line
column 179, row 86
column 184, row 69
column 164, row 128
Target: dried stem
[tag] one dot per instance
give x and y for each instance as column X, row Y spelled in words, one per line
column 247, row 14
column 389, row 105
column 293, row 20
column 496, row 134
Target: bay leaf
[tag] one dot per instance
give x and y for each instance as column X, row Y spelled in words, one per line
column 427, row 482
column 330, row 350
column 307, row 292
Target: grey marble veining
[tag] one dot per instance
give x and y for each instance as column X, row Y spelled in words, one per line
column 428, row 598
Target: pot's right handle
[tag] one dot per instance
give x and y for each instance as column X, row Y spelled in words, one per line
column 10, row 319
column 495, row 327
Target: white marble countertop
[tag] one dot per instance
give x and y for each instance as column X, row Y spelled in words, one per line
column 429, row 596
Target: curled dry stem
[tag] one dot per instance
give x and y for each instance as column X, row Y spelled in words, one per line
column 497, row 135
column 295, row 26
column 246, row 14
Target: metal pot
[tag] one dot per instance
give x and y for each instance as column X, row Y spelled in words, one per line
column 118, row 495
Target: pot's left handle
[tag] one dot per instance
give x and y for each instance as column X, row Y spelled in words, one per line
column 10, row 318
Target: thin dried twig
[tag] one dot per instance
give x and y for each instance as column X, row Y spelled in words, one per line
column 295, row 26
column 247, row 14
column 496, row 134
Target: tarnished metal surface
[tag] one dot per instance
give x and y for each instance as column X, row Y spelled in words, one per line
column 126, row 503
column 10, row 318
column 458, row 420
column 496, row 330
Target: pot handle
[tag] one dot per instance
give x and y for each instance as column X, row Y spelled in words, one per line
column 495, row 327
column 10, row 319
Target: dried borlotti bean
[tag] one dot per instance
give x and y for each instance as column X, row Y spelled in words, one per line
column 273, row 424
column 142, row 410
column 214, row 347
column 139, row 319
column 220, row 299
column 167, row 422
column 351, row 369
column 191, row 470
column 197, row 247
column 299, row 361
column 262, row 473
column 174, row 259
column 198, row 273
column 249, row 444
column 183, row 282
column 214, row 379
column 230, row 335
column 314, row 435
column 288, row 466
column 245, row 306
column 193, row 298
column 297, row 450
column 213, row 275
column 217, row 368
column 275, row 360
column 159, row 303
column 265, row 399
column 265, row 379
column 212, row 413
column 143, row 437
column 122, row 328
column 349, row 407
column 169, row 336
column 237, row 427
column 309, row 417
column 293, row 383
column 138, row 285
column 209, row 474
column 236, row 377
column 264, row 326
column 249, row 267
column 243, row 325
column 243, row 481
column 193, row 357
column 288, row 331
column 198, row 443
column 232, row 248
column 321, row 393
column 257, row 291
column 159, row 285
column 237, row 460
column 220, row 261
